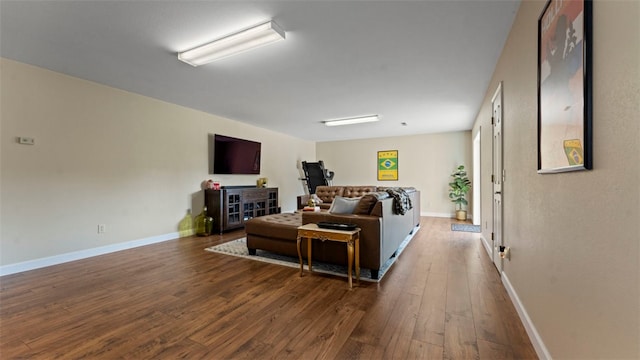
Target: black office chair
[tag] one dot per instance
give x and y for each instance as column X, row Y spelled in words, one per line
column 316, row 175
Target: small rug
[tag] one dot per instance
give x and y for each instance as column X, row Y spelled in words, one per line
column 239, row 248
column 465, row 227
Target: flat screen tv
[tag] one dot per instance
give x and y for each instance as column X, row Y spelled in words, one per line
column 235, row 156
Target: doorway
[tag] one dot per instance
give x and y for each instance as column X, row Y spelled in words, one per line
column 476, row 179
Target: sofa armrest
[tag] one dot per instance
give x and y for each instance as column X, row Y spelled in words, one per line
column 303, row 200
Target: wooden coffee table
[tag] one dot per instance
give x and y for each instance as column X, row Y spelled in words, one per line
column 351, row 237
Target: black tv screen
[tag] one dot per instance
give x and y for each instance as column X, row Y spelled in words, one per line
column 235, row 156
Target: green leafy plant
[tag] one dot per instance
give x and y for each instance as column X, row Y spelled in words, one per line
column 459, row 187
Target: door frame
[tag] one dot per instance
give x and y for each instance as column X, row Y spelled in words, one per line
column 497, row 184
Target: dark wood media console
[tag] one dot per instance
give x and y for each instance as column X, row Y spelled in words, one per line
column 231, row 206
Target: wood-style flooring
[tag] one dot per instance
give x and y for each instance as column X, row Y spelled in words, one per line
column 442, row 299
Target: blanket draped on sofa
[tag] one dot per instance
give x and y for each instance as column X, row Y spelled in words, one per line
column 401, row 200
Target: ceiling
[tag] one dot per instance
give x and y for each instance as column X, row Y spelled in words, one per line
column 423, row 66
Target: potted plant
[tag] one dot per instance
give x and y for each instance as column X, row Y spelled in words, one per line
column 458, row 189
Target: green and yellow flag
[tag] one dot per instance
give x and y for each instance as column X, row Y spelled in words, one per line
column 388, row 165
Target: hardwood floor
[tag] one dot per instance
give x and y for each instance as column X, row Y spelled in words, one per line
column 442, row 299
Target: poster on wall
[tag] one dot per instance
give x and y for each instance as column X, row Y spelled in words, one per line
column 564, row 86
column 387, row 165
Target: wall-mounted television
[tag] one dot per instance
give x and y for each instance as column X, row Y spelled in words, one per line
column 235, row 156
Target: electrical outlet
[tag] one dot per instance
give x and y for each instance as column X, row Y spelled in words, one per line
column 26, row 140
column 102, row 228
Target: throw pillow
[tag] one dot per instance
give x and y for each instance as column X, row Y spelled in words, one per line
column 365, row 204
column 342, row 205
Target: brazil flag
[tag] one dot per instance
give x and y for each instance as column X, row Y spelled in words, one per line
column 388, row 165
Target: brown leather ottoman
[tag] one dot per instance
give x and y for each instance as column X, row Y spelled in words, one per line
column 277, row 233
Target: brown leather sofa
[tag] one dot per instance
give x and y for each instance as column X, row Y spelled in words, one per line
column 382, row 231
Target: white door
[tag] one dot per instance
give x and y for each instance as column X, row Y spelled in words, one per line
column 498, row 177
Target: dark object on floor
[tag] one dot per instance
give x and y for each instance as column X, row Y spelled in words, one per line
column 465, row 228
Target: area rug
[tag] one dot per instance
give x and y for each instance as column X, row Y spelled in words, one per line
column 465, row 228
column 239, row 248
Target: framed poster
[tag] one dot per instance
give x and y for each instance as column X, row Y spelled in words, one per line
column 388, row 165
column 564, row 86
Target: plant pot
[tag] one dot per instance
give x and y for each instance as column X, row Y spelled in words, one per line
column 461, row 215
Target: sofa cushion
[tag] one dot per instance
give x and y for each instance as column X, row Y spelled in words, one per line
column 357, row 191
column 365, row 205
column 342, row 205
column 377, row 207
column 328, row 193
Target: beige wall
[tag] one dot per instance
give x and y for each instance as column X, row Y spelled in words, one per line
column 105, row 156
column 574, row 236
column 424, row 162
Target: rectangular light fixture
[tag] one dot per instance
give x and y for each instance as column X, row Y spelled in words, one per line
column 353, row 120
column 251, row 38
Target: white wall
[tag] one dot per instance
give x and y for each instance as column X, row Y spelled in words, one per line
column 424, row 162
column 575, row 262
column 106, row 156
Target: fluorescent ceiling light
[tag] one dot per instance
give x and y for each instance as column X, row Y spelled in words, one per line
column 353, row 120
column 251, row 38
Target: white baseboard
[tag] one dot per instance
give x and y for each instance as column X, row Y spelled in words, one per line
column 443, row 215
column 433, row 214
column 536, row 340
column 82, row 254
column 487, row 247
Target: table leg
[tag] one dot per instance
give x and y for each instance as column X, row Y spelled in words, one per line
column 309, row 253
column 358, row 258
column 350, row 261
column 300, row 255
